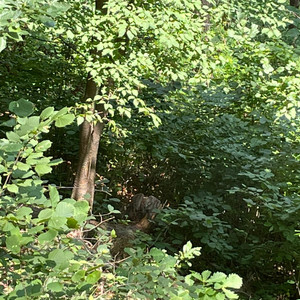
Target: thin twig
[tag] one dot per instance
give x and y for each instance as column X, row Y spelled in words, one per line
column 98, row 225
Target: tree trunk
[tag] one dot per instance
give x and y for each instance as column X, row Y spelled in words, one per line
column 90, row 133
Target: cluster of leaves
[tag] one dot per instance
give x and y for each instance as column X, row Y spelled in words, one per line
column 19, row 18
column 156, row 271
column 40, row 258
column 226, row 156
column 219, row 85
column 36, row 253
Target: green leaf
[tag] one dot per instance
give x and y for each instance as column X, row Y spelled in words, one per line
column 13, row 188
column 36, row 229
column 122, row 29
column 45, row 214
column 55, row 162
column 43, row 146
column 28, row 125
column 22, row 107
column 54, row 195
column 110, row 208
column 81, row 207
column 13, row 147
column 234, row 281
column 64, row 210
column 205, row 275
column 12, row 136
column 130, row 34
column 230, row 294
column 156, row 120
column 220, row 296
column 61, row 258
column 22, row 174
column 46, row 113
column 23, row 167
column 78, row 276
column 2, row 43
column 13, row 243
column 70, row 34
column 80, row 120
column 268, row 68
column 157, row 254
column 93, row 277
column 187, row 247
column 217, row 277
column 57, row 222
column 48, row 236
column 55, row 286
column 42, row 169
column 64, row 120
column 72, row 223
column 113, row 234
column 24, row 211
column 2, row 169
column 60, row 113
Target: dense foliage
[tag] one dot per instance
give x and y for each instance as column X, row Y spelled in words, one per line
column 201, row 102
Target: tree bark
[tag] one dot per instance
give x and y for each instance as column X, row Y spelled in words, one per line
column 90, row 134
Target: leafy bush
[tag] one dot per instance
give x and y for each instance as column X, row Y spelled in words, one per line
column 41, row 259
column 157, row 273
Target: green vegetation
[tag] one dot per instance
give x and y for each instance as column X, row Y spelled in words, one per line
column 193, row 102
